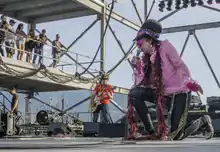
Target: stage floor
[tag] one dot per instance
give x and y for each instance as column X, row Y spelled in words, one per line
column 106, row 144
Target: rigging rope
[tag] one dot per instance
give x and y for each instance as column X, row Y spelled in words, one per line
column 103, row 36
column 119, row 62
column 130, row 50
column 152, row 5
column 62, row 79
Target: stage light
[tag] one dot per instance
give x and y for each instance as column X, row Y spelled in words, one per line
column 161, row 5
column 193, row 3
column 210, row 2
column 185, row 3
column 169, row 5
column 200, row 2
column 178, row 2
column 217, row 1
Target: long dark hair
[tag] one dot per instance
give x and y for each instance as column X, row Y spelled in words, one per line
column 154, row 76
column 153, row 68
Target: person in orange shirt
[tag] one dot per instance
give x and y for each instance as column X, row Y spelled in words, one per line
column 103, row 92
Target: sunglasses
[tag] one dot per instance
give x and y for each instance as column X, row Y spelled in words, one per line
column 139, row 39
column 139, row 43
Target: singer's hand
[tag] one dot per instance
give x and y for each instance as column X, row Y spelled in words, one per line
column 134, row 60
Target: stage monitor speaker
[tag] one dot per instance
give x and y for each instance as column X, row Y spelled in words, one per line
column 60, row 128
column 91, row 129
column 112, row 130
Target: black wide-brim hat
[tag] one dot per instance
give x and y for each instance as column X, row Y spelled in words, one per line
column 105, row 76
column 150, row 28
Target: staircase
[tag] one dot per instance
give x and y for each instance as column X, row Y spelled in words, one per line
column 3, row 107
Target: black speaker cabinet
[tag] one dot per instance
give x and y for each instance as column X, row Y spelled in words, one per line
column 112, row 130
column 92, row 129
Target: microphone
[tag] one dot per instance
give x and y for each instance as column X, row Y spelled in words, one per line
column 134, row 62
column 138, row 52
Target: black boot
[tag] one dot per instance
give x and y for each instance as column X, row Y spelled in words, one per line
column 144, row 115
column 209, row 130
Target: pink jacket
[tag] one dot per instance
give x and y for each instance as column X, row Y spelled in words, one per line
column 176, row 76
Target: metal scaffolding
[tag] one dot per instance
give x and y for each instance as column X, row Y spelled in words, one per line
column 102, row 10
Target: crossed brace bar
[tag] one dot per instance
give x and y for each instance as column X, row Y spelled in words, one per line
column 191, row 31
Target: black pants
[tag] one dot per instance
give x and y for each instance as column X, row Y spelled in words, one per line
column 137, row 97
column 177, row 106
column 1, row 49
column 38, row 52
column 56, row 57
column 10, row 51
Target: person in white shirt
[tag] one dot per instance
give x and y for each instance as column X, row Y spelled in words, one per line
column 20, row 42
column 10, row 39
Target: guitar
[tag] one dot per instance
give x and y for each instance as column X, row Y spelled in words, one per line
column 94, row 104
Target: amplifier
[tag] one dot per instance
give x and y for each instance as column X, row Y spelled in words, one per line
column 216, row 126
column 214, row 104
column 92, row 129
column 213, row 99
column 197, row 109
column 196, row 100
column 76, row 127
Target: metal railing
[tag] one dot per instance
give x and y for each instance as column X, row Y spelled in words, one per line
column 4, row 101
column 48, row 59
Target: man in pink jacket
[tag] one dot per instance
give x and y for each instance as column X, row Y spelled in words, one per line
column 161, row 76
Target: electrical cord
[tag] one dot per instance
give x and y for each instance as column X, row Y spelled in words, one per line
column 152, row 5
column 109, row 17
column 131, row 48
column 119, row 62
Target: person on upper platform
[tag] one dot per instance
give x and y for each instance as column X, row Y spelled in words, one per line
column 162, row 77
column 39, row 45
column 56, row 50
column 20, row 42
column 10, row 39
column 3, row 28
column 29, row 45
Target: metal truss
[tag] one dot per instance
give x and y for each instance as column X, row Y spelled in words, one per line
column 103, row 12
column 189, row 28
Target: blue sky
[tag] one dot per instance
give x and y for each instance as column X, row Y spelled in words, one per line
column 192, row 57
column 71, row 28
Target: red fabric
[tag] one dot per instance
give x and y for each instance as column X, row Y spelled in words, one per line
column 193, row 86
column 131, row 121
column 108, row 89
column 161, row 126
